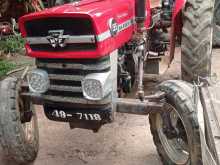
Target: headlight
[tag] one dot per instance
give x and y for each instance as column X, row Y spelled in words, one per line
column 97, row 85
column 38, row 81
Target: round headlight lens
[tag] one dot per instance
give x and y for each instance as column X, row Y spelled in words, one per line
column 96, row 86
column 38, row 81
column 92, row 89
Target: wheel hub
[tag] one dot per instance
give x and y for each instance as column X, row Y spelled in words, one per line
column 25, row 110
column 173, row 136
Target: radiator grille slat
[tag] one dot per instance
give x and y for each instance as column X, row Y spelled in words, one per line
column 66, row 77
column 65, row 88
column 77, row 66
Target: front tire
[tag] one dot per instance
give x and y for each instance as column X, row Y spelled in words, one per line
column 197, row 36
column 176, row 132
column 19, row 140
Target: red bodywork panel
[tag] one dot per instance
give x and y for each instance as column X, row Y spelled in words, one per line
column 179, row 5
column 176, row 28
column 99, row 12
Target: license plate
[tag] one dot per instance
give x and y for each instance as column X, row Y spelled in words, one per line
column 74, row 114
column 77, row 115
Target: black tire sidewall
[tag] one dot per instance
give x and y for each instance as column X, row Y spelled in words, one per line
column 13, row 138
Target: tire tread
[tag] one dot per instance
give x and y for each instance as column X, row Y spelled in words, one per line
column 197, row 27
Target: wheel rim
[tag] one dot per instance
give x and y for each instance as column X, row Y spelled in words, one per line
column 28, row 127
column 176, row 148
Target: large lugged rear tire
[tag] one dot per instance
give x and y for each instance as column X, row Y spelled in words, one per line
column 177, row 137
column 197, row 34
column 216, row 34
column 20, row 141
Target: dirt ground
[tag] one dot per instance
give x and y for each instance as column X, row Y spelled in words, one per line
column 125, row 142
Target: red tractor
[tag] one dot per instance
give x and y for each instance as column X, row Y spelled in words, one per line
column 89, row 53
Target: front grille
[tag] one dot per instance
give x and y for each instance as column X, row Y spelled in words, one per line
column 71, row 26
column 75, row 27
column 66, row 75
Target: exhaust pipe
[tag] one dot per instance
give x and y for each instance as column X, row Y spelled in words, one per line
column 140, row 11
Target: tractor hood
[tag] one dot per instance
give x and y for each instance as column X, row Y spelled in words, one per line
column 85, row 29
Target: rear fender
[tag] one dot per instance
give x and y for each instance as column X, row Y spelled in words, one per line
column 176, row 28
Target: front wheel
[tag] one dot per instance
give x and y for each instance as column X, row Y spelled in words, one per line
column 19, row 137
column 176, row 130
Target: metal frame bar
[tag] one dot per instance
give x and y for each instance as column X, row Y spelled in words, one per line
column 123, row 105
column 137, row 107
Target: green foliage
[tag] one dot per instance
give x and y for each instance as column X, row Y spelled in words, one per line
column 11, row 44
column 5, row 66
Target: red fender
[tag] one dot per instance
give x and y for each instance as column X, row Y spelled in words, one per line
column 176, row 27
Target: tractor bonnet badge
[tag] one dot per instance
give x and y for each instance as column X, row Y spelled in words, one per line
column 56, row 38
column 113, row 27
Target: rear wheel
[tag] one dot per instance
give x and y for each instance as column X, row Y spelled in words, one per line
column 19, row 137
column 216, row 35
column 176, row 131
column 197, row 34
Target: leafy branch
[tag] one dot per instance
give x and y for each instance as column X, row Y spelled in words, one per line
column 11, row 44
column 5, row 67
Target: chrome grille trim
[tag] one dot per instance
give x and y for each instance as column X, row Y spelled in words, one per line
column 68, row 39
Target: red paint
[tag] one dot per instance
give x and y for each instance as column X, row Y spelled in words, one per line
column 99, row 11
column 179, row 4
column 176, row 21
column 176, row 25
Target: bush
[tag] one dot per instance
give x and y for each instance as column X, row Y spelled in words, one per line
column 5, row 66
column 11, row 44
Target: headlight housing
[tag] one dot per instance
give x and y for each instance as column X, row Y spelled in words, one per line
column 38, row 81
column 96, row 86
